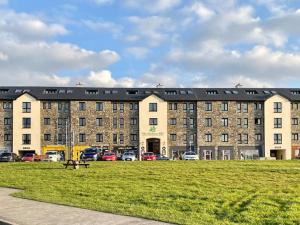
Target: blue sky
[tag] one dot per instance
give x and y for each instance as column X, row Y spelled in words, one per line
column 139, row 43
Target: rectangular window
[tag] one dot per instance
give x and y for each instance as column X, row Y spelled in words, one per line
column 173, row 137
column 61, row 138
column 224, row 106
column 99, row 137
column 224, row 122
column 192, row 123
column 115, row 107
column 47, row 121
column 115, row 122
column 99, row 106
column 173, row 121
column 257, row 106
column 294, row 106
column 224, row 137
column 133, row 121
column 61, row 121
column 257, row 121
column 172, row 106
column 26, row 106
column 258, row 137
column 295, row 136
column 240, row 141
column 208, row 138
column 277, row 122
column 245, row 122
column 184, row 122
column 152, row 107
column 245, row 138
column 82, row 121
column 133, row 106
column 121, row 107
column 185, row 107
column 245, row 107
column 7, row 137
column 277, row 138
column 192, row 107
column 294, row 121
column 208, row 106
column 153, row 121
column 46, row 105
column 7, row 105
column 133, row 137
column 26, row 122
column 239, row 107
column 47, row 137
column 115, row 138
column 26, row 139
column 121, row 123
column 208, row 122
column 7, row 121
column 99, row 122
column 277, row 107
column 82, row 106
column 239, row 122
column 82, row 137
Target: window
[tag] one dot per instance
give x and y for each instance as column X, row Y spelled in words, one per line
column 295, row 136
column 245, row 122
column 82, row 121
column 277, row 138
column 26, row 139
column 184, row 122
column 115, row 122
column 208, row 138
column 132, row 92
column 257, row 106
column 224, row 122
column 240, row 141
column 115, row 138
column 277, row 122
column 192, row 123
column 258, row 137
column 239, row 122
column 208, row 122
column 7, row 105
column 121, row 107
column 91, row 92
column 26, row 122
column 172, row 106
column 47, row 137
column 121, row 123
column 99, row 106
column 173, row 137
column 173, row 121
column 239, row 107
column 224, row 137
column 61, row 121
column 208, row 106
column 171, row 92
column 245, row 107
column 63, row 106
column 192, row 107
column 133, row 121
column 99, row 122
column 152, row 107
column 26, row 106
column 294, row 121
column 245, row 138
column 133, row 137
column 295, row 106
column 61, row 138
column 7, row 137
column 115, row 107
column 277, row 107
column 99, row 137
column 185, row 107
column 82, row 137
column 153, row 121
column 211, row 92
column 46, row 105
column 46, row 121
column 7, row 121
column 82, row 106
column 133, row 106
column 251, row 92
column 224, row 106
column 257, row 121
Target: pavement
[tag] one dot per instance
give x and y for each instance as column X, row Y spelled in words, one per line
column 16, row 211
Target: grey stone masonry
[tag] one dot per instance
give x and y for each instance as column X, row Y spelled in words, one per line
column 6, row 125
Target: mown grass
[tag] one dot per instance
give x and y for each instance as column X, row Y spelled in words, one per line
column 215, row 192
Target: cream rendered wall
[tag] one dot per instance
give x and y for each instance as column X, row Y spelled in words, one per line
column 18, row 129
column 161, row 130
column 286, row 126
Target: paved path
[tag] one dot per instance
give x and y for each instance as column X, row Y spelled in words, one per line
column 27, row 212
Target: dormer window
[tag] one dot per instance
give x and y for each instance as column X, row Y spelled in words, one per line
column 132, row 92
column 114, row 92
column 171, row 92
column 4, row 91
column 26, row 90
column 212, row 92
column 18, row 91
column 50, row 91
column 295, row 92
column 62, row 91
column 91, row 92
column 69, row 91
column 251, row 92
column 107, row 92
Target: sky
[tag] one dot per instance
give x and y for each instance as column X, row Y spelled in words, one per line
column 142, row 43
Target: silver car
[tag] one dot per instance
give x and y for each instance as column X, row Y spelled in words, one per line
column 128, row 156
column 190, row 156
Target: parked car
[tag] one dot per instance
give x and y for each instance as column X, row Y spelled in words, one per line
column 9, row 157
column 53, row 156
column 93, row 154
column 148, row 156
column 128, row 156
column 109, row 156
column 163, row 157
column 28, row 157
column 190, row 156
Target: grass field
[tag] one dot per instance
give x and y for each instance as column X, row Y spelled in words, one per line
column 216, row 192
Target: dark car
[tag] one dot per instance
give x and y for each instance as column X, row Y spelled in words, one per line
column 163, row 157
column 93, row 154
column 9, row 157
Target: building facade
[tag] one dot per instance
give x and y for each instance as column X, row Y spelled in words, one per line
column 218, row 124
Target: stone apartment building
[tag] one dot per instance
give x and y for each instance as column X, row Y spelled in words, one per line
column 216, row 123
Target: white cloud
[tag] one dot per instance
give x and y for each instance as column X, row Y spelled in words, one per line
column 3, row 56
column 152, row 6
column 138, row 52
column 200, row 10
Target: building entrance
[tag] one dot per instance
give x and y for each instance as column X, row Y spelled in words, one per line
column 153, row 145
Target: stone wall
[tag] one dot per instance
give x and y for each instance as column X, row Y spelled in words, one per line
column 5, row 129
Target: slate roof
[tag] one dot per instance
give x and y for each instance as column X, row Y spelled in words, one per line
column 137, row 94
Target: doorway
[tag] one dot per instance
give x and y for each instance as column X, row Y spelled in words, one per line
column 153, row 145
column 278, row 154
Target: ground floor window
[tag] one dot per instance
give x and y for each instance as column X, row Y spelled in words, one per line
column 226, row 154
column 207, row 155
column 249, row 154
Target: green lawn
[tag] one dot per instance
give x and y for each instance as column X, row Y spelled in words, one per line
column 215, row 192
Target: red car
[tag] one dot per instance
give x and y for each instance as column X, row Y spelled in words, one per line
column 149, row 156
column 109, row 156
column 28, row 157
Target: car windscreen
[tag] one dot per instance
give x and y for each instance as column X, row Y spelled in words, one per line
column 109, row 154
column 190, row 153
column 149, row 153
column 51, row 153
column 90, row 151
column 28, row 155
